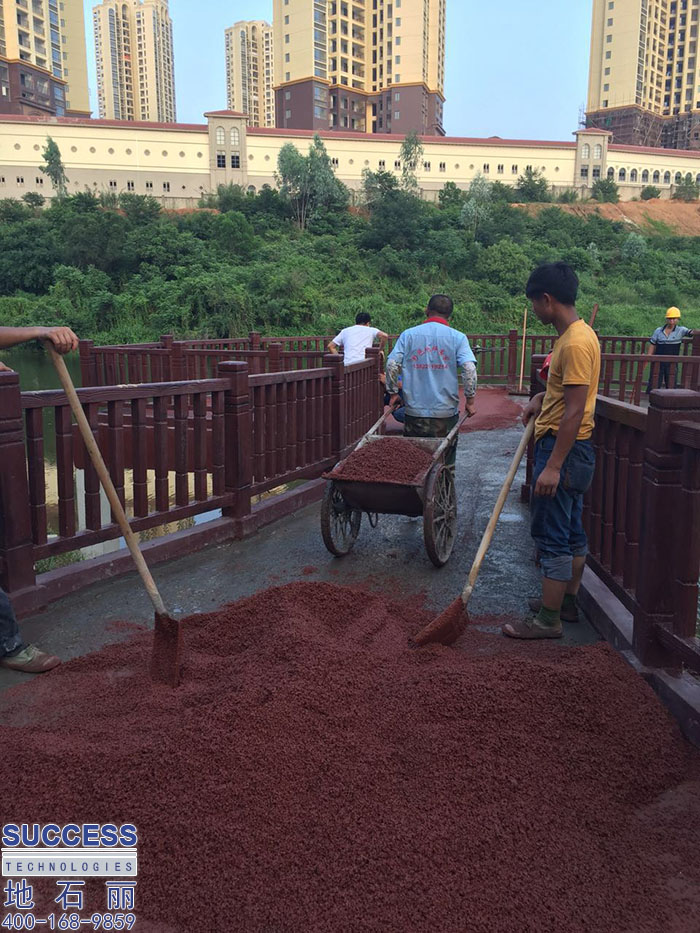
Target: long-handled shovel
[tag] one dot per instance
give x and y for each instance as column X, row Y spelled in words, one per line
column 449, row 625
column 165, row 660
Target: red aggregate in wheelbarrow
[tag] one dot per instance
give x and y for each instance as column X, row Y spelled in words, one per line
column 314, row 773
column 390, row 460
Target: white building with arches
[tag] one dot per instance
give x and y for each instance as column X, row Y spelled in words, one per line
column 179, row 162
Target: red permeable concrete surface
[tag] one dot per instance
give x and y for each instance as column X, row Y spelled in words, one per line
column 389, row 460
column 314, row 773
column 495, row 410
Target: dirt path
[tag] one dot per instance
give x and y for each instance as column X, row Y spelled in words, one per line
column 676, row 216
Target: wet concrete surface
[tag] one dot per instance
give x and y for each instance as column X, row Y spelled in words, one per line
column 390, row 558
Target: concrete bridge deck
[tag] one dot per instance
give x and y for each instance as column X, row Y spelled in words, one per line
column 388, row 558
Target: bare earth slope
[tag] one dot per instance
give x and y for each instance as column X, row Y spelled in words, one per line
column 681, row 218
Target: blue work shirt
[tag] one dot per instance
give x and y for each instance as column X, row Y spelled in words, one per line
column 430, row 357
column 670, row 344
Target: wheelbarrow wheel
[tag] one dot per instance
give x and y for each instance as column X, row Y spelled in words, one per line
column 340, row 525
column 440, row 514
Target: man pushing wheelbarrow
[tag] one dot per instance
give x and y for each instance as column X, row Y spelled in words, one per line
column 428, row 359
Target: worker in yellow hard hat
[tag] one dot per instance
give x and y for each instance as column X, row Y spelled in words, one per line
column 667, row 341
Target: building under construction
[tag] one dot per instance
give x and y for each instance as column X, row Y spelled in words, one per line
column 644, row 81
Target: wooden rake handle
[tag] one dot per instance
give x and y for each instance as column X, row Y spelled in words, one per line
column 497, row 509
column 106, row 480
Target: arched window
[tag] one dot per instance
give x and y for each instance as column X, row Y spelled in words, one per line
column 645, row 176
column 235, row 138
column 611, row 173
column 689, row 178
column 633, row 174
column 597, row 152
column 585, row 151
column 667, row 178
column 656, row 177
column 251, row 189
column 622, row 175
column 220, row 136
column 697, row 179
column 678, row 178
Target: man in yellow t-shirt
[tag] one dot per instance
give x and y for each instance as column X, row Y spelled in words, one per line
column 564, row 456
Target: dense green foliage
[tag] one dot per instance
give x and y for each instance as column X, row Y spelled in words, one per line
column 130, row 272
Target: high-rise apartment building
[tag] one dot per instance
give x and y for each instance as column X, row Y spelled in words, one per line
column 374, row 66
column 43, row 61
column 135, row 63
column 644, row 83
column 250, row 72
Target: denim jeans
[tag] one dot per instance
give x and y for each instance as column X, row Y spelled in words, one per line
column 556, row 523
column 9, row 632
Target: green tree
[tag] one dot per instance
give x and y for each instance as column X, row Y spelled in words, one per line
column 477, row 206
column 649, row 192
column 376, row 185
column 686, row 189
column 532, row 186
column 605, row 190
column 451, row 196
column 309, row 182
column 53, row 167
column 634, row 247
column 411, row 156
column 139, row 208
column 34, row 200
column 568, row 196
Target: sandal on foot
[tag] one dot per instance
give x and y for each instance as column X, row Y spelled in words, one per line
column 31, row 661
column 535, row 603
column 530, row 628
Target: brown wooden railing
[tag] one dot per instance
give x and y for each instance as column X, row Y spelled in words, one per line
column 174, row 450
column 642, row 516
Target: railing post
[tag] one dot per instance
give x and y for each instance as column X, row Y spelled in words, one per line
column 16, row 545
column 274, row 357
column 178, row 363
column 513, row 360
column 238, row 433
column 88, row 370
column 536, row 387
column 166, row 341
column 660, row 542
column 335, row 362
column 254, row 338
column 695, row 345
column 376, row 410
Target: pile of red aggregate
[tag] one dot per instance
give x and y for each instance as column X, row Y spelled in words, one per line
column 390, row 460
column 313, row 773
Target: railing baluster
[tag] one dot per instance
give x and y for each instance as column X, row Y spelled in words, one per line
column 37, row 473
column 160, row 451
column 199, row 413
column 93, row 498
column 182, row 494
column 64, row 471
column 139, row 457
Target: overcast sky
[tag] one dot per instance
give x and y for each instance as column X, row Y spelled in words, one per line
column 515, row 69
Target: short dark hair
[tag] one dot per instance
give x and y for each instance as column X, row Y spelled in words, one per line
column 441, row 304
column 557, row 279
column 363, row 318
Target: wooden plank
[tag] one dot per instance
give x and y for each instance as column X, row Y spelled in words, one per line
column 686, row 650
column 103, row 394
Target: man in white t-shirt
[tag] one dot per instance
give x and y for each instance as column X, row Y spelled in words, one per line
column 355, row 340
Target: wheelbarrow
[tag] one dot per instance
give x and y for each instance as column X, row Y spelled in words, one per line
column 432, row 495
